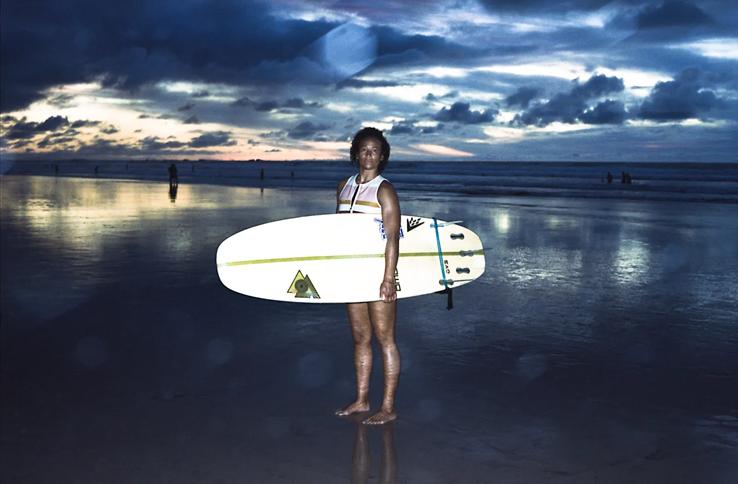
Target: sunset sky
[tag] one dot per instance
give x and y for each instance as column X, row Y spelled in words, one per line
column 446, row 80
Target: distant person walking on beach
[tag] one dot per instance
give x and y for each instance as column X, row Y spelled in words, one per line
column 369, row 192
column 609, row 178
column 173, row 180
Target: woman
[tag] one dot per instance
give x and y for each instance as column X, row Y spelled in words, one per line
column 369, row 192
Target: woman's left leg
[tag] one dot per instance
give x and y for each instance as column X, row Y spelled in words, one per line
column 383, row 317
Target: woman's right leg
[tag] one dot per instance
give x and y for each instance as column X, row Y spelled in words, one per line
column 361, row 330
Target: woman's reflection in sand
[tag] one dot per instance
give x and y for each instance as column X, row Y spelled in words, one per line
column 361, row 460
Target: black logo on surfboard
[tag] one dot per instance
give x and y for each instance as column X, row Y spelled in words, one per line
column 303, row 287
column 413, row 223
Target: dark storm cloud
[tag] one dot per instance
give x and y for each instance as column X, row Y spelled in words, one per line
column 267, row 106
column 105, row 148
column 14, row 144
column 543, row 5
column 58, row 138
column 432, row 129
column 23, row 129
column 128, row 45
column 356, row 83
column 597, row 85
column 242, row 102
column 46, row 43
column 683, row 98
column 459, row 112
column 160, row 116
column 522, row 97
column 85, row 123
column 395, row 48
column 214, row 138
column 61, row 100
column 306, row 129
column 674, row 21
column 403, row 127
column 53, row 123
column 192, row 120
column 410, row 127
column 672, row 14
column 299, row 103
column 51, row 141
column 449, row 95
column 606, row 112
column 205, row 140
column 569, row 107
column 186, row 107
column 295, row 103
column 273, row 105
column 273, row 135
column 154, row 143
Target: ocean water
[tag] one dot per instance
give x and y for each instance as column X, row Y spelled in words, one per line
column 600, row 344
column 705, row 182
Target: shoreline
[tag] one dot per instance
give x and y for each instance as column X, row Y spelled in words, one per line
column 690, row 182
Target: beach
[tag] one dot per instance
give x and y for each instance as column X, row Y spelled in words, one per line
column 600, row 345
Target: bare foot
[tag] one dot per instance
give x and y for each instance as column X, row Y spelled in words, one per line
column 356, row 407
column 380, row 418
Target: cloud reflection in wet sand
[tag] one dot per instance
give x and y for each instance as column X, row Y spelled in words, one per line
column 600, row 341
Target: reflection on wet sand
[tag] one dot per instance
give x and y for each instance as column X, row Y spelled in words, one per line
column 361, row 461
column 599, row 346
column 173, row 193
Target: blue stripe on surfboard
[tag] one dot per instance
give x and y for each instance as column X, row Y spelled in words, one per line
column 440, row 253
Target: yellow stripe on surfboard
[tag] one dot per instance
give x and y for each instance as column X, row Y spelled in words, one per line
column 336, row 257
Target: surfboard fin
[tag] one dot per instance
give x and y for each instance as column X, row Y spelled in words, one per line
column 449, row 292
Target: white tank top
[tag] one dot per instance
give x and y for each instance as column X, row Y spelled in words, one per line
column 360, row 197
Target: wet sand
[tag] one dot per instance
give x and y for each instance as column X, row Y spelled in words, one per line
column 599, row 346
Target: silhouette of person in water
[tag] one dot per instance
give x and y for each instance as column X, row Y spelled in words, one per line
column 609, row 178
column 173, row 180
column 369, row 192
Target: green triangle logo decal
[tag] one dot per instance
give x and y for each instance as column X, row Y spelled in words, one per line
column 302, row 286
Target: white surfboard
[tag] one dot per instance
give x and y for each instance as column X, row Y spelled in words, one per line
column 339, row 258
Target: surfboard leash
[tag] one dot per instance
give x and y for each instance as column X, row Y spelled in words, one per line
column 446, row 290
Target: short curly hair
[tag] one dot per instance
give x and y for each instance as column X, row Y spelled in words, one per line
column 363, row 134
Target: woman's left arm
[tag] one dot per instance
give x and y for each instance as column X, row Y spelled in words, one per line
column 391, row 219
